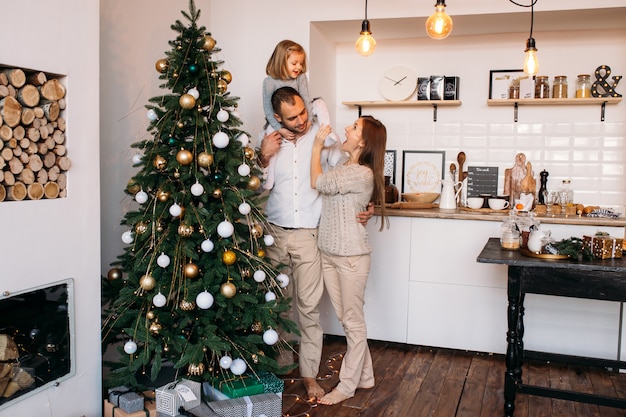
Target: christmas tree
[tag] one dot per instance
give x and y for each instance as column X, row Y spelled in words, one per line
column 193, row 285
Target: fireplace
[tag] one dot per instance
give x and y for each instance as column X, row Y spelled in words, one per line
column 36, row 340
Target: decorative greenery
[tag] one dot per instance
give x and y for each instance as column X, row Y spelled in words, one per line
column 195, row 171
column 573, row 247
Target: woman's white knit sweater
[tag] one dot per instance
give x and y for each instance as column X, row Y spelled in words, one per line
column 346, row 191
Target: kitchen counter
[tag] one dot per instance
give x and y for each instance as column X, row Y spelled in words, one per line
column 498, row 216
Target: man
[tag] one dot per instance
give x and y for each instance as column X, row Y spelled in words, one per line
column 294, row 208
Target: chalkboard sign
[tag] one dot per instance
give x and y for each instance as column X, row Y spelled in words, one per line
column 482, row 180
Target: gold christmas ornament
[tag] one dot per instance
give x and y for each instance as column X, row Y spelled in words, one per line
column 114, row 273
column 205, row 159
column 209, row 43
column 187, row 305
column 180, row 124
column 255, row 358
column 191, row 270
column 150, row 315
column 155, row 327
column 176, row 174
column 174, row 75
column 227, row 76
column 248, row 153
column 187, row 101
column 184, row 157
column 214, row 74
column 217, row 193
column 222, row 86
column 256, row 230
column 141, row 228
column 147, row 282
column 162, row 65
column 261, row 253
column 254, row 183
column 185, row 230
column 228, row 289
column 132, row 187
column 195, row 369
column 159, row 163
column 163, row 196
column 159, row 227
column 229, row 257
column 257, row 327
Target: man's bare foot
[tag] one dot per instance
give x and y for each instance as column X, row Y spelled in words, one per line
column 333, row 397
column 313, row 389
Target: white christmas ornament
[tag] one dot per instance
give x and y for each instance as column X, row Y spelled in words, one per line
column 141, row 197
column 226, row 362
column 222, row 115
column 127, row 237
column 130, row 347
column 243, row 170
column 175, row 210
column 194, row 92
column 259, row 276
column 207, row 245
column 197, row 189
column 270, row 337
column 159, row 300
column 244, row 139
column 283, row 280
column 163, row 260
column 220, row 140
column 244, row 208
column 204, row 300
column 268, row 239
column 238, row 367
column 225, row 229
column 270, row 296
column 136, row 159
column 152, row 116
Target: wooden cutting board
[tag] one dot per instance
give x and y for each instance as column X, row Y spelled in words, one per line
column 407, row 205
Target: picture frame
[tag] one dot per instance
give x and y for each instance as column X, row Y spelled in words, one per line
column 390, row 165
column 422, row 171
column 500, row 81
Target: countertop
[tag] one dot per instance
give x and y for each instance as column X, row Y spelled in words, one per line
column 498, row 216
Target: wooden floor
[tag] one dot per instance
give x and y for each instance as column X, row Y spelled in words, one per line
column 417, row 381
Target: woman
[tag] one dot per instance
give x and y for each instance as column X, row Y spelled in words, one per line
column 346, row 191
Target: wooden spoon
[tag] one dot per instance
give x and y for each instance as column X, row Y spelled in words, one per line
column 461, row 160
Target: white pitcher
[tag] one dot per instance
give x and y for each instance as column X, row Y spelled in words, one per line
column 448, row 197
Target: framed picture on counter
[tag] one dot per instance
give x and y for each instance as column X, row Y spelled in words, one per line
column 390, row 165
column 500, row 81
column 422, row 171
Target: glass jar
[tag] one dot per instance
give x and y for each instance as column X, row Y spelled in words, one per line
column 566, row 195
column 542, row 87
column 391, row 191
column 559, row 87
column 583, row 86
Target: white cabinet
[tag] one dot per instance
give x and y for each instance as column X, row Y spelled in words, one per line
column 426, row 288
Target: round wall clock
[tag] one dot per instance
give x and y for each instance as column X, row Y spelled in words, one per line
column 397, row 83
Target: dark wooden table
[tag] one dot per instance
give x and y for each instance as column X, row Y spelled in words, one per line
column 598, row 280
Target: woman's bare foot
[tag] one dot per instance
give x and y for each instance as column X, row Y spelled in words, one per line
column 313, row 389
column 333, row 397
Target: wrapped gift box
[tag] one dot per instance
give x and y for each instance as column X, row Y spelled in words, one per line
column 271, row 383
column 127, row 400
column 170, row 397
column 603, row 246
column 239, row 386
column 149, row 410
column 203, row 410
column 268, row 404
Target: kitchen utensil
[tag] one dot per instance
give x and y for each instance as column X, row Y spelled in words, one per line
column 449, row 193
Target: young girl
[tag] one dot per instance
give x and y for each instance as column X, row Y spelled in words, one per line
column 287, row 67
column 346, row 190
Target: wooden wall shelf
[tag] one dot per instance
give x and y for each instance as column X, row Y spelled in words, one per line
column 406, row 103
column 602, row 101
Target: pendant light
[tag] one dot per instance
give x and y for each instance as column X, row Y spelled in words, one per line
column 439, row 24
column 531, row 64
column 366, row 44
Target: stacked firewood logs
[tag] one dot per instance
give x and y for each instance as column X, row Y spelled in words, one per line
column 33, row 156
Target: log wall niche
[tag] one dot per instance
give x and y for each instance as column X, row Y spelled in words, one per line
column 33, row 153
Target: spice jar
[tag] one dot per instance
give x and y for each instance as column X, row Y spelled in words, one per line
column 542, row 87
column 559, row 87
column 583, row 86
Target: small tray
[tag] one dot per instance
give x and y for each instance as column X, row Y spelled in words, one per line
column 409, row 205
column 484, row 210
column 526, row 252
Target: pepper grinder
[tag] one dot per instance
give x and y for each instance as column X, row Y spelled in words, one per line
column 543, row 190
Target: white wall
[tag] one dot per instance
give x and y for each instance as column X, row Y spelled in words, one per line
column 49, row 240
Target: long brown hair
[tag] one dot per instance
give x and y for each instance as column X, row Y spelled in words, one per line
column 277, row 64
column 374, row 135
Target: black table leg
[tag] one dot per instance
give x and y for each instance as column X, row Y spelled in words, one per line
column 515, row 347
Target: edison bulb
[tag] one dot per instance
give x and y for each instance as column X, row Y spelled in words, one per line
column 439, row 24
column 365, row 44
column 531, row 64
